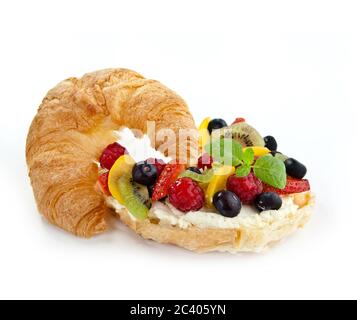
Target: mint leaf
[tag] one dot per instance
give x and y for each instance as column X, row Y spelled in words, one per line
column 271, row 171
column 243, row 171
column 226, row 151
column 248, row 156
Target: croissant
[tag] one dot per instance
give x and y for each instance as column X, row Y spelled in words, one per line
column 78, row 119
column 74, row 123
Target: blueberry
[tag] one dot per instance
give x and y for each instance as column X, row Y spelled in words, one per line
column 144, row 173
column 216, row 124
column 268, row 201
column 271, row 143
column 227, row 203
column 195, row 170
column 295, row 169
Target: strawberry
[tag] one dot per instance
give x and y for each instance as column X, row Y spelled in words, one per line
column 103, row 183
column 292, row 186
column 166, row 179
column 238, row 120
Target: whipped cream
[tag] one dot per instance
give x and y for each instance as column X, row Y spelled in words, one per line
column 248, row 217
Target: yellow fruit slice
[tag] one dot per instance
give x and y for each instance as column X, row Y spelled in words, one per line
column 123, row 166
column 218, row 183
column 204, row 133
column 259, row 151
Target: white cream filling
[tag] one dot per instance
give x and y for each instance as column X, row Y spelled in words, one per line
column 248, row 217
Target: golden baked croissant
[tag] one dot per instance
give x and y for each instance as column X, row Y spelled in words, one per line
column 74, row 123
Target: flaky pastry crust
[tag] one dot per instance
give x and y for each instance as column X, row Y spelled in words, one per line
column 74, row 123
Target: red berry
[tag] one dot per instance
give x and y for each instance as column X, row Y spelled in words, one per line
column 111, row 154
column 205, row 162
column 292, row 186
column 103, row 182
column 158, row 163
column 238, row 120
column 186, row 195
column 165, row 180
column 247, row 188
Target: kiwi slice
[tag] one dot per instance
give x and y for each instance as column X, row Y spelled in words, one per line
column 206, row 177
column 142, row 193
column 242, row 132
column 135, row 197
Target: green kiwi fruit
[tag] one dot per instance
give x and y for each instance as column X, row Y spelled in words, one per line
column 136, row 197
column 245, row 134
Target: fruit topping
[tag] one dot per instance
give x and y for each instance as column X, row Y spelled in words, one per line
column 246, row 188
column 268, row 201
column 227, row 203
column 271, row 143
column 134, row 197
column 295, row 169
column 218, row 183
column 204, row 133
column 158, row 163
column 205, row 162
column 123, row 166
column 194, row 169
column 206, row 177
column 242, row 132
column 186, row 195
column 111, row 154
column 238, row 120
column 166, row 179
column 259, row 151
column 144, row 173
column 292, row 186
column 103, row 183
column 216, row 124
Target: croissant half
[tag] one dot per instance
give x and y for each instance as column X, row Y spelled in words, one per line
column 74, row 123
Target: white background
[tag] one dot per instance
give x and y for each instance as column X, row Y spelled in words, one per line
column 289, row 67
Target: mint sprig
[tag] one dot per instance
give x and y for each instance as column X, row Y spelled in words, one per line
column 268, row 169
column 271, row 171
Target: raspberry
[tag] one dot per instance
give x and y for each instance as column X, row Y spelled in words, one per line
column 111, row 154
column 292, row 186
column 103, row 182
column 186, row 195
column 247, row 188
column 205, row 162
column 158, row 163
column 238, row 120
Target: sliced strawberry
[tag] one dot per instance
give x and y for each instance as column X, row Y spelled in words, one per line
column 168, row 176
column 103, row 183
column 292, row 186
column 238, row 120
